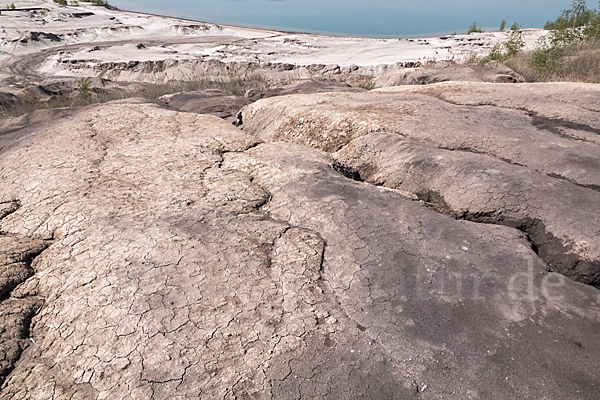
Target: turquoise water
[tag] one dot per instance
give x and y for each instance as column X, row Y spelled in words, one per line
column 360, row 18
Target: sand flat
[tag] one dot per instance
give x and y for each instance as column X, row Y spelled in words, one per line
column 48, row 41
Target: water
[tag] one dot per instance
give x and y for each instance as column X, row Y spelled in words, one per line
column 389, row 18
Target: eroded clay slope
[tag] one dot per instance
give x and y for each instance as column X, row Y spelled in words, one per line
column 492, row 71
column 487, row 163
column 189, row 260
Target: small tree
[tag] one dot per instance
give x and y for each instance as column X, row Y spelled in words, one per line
column 12, row 6
column 515, row 27
column 592, row 30
column 515, row 43
column 84, row 87
column 503, row 51
column 578, row 13
column 502, row 25
column 473, row 29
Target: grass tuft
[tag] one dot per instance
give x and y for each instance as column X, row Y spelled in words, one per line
column 363, row 81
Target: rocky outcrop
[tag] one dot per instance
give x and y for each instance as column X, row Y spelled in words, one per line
column 188, row 259
column 486, row 163
column 493, row 71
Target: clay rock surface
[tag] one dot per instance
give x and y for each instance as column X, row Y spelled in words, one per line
column 220, row 104
column 566, row 109
column 493, row 71
column 308, row 87
column 183, row 258
column 470, row 155
column 213, row 102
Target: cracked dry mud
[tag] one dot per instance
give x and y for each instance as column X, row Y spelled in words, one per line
column 171, row 255
column 524, row 155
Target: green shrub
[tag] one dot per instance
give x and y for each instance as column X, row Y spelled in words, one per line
column 12, row 6
column 473, row 29
column 502, row 51
column 577, row 16
column 575, row 63
column 495, row 53
column 592, row 29
column 573, row 27
column 546, row 55
column 61, row 2
column 515, row 43
column 83, row 88
column 515, row 27
column 502, row 25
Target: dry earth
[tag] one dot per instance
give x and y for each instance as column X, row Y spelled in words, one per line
column 150, row 253
column 434, row 241
column 524, row 155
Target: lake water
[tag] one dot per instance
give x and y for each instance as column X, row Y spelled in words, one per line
column 359, row 17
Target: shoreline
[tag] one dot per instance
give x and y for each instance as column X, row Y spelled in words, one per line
column 290, row 31
column 69, row 43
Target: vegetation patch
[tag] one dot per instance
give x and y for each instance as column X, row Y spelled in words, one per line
column 234, row 83
column 569, row 52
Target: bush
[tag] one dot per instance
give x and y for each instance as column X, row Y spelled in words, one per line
column 83, row 88
column 502, row 25
column 515, row 43
column 515, row 27
column 473, row 29
column 495, row 53
column 502, row 51
column 592, row 29
column 547, row 55
column 573, row 27
column 12, row 6
column 61, row 2
column 574, row 63
column 577, row 16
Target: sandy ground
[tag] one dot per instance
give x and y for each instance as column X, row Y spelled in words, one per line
column 42, row 40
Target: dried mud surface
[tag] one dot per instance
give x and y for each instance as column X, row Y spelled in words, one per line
column 524, row 155
column 150, row 253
